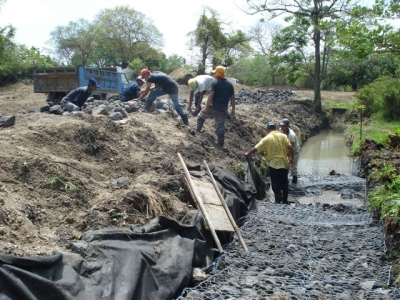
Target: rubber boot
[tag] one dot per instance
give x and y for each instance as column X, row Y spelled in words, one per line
column 285, row 199
column 278, row 198
column 185, row 121
column 200, row 123
column 221, row 139
column 294, row 179
column 147, row 106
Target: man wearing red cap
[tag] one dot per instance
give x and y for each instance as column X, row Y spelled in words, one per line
column 163, row 85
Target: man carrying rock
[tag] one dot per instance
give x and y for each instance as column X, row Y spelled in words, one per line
column 76, row 98
column 221, row 93
column 164, row 85
column 132, row 90
column 201, row 84
column 285, row 128
column 276, row 147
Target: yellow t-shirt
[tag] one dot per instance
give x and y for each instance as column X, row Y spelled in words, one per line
column 275, row 146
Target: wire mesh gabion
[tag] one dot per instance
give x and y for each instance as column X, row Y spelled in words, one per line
column 316, row 250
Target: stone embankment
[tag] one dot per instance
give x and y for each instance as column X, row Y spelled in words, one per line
column 117, row 110
column 302, row 252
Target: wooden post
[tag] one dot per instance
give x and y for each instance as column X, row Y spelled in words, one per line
column 201, row 205
column 228, row 212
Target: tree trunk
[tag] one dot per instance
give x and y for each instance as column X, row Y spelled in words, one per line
column 273, row 76
column 317, row 71
column 202, row 66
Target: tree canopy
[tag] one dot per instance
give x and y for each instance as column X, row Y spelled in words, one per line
column 115, row 37
column 18, row 61
column 213, row 45
column 311, row 20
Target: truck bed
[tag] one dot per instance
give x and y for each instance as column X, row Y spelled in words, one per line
column 61, row 80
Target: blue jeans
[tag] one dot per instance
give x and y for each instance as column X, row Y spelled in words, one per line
column 69, row 106
column 279, row 184
column 157, row 92
column 196, row 98
column 293, row 167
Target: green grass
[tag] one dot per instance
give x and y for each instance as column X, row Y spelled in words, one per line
column 349, row 105
column 375, row 130
column 385, row 198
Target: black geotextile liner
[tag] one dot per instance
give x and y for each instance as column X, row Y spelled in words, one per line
column 152, row 261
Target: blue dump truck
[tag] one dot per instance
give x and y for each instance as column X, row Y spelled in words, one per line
column 59, row 81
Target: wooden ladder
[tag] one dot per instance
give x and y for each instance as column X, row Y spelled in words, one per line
column 212, row 205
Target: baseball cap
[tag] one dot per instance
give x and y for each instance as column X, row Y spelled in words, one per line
column 192, row 84
column 219, row 69
column 284, row 122
column 144, row 72
column 140, row 78
column 93, row 81
column 271, row 125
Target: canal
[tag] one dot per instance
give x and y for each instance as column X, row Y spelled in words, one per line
column 325, row 152
column 324, row 245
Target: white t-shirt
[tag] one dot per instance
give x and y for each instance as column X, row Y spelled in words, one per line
column 293, row 139
column 204, row 82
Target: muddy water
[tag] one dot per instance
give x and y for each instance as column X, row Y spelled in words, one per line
column 319, row 156
column 325, row 152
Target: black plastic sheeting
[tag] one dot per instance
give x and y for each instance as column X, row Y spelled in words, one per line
column 153, row 261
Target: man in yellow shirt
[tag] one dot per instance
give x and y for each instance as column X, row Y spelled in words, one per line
column 279, row 154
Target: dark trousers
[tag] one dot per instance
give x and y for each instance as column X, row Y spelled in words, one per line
column 279, row 184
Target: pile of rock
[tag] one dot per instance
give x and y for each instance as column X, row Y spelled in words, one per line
column 112, row 107
column 267, row 96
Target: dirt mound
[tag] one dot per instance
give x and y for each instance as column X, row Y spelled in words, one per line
column 62, row 176
column 182, row 75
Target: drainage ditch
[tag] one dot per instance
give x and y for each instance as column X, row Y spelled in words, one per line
column 324, row 245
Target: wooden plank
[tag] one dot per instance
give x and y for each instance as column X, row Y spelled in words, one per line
column 226, row 209
column 201, row 205
column 213, row 205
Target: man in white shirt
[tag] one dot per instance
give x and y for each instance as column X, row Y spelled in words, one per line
column 285, row 128
column 201, row 84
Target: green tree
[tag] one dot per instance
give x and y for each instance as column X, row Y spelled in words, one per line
column 320, row 16
column 348, row 69
column 18, row 61
column 207, row 32
column 369, row 30
column 214, row 46
column 252, row 70
column 74, row 43
column 382, row 98
column 262, row 34
column 136, row 65
column 8, row 54
column 174, row 62
column 230, row 48
column 125, row 33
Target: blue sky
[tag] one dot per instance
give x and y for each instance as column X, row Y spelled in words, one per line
column 35, row 19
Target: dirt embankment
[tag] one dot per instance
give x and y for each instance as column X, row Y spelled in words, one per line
column 62, row 176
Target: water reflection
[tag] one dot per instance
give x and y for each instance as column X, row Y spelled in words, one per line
column 331, row 197
column 325, row 152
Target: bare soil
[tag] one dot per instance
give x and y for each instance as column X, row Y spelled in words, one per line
column 57, row 173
